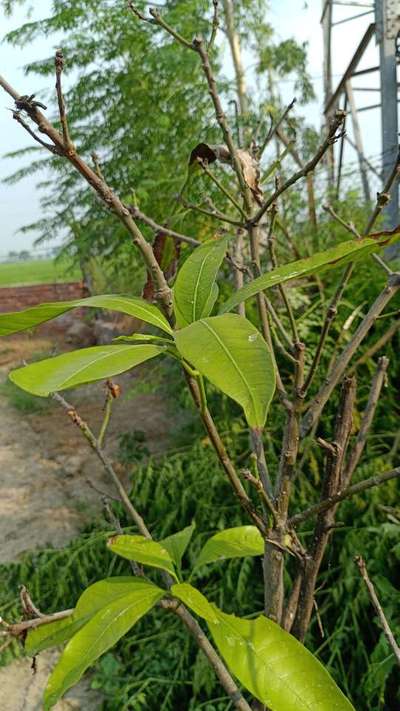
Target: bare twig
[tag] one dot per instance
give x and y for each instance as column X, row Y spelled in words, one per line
column 222, row 188
column 238, row 268
column 320, row 400
column 223, row 456
column 53, row 149
column 198, row 46
column 273, row 558
column 19, row 628
column 107, row 195
column 378, row 608
column 352, row 490
column 355, row 454
column 350, row 227
column 28, row 606
column 332, row 136
column 91, row 439
column 326, row 518
column 275, row 126
column 382, row 200
column 274, row 262
column 96, row 163
column 347, row 225
column 215, row 26
column 384, row 196
column 257, row 445
column 112, row 393
column 59, row 65
column 261, row 490
column 385, row 338
column 139, row 215
column 212, row 212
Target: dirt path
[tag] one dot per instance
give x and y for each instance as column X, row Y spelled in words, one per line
column 45, row 499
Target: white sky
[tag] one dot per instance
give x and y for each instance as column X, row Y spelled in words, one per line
column 19, row 204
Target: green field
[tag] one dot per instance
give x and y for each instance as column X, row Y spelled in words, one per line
column 40, row 271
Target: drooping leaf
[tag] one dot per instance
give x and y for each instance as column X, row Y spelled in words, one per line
column 82, row 366
column 232, row 354
column 195, row 292
column 16, row 321
column 93, row 599
column 143, row 338
column 105, row 628
column 235, row 542
column 194, row 599
column 177, row 543
column 142, row 550
column 276, row 668
column 337, row 256
column 53, row 634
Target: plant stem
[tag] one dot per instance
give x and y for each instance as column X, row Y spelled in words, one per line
column 352, row 490
column 329, row 140
column 325, row 518
column 378, row 609
column 175, row 606
column 366, row 422
column 318, row 403
column 107, row 195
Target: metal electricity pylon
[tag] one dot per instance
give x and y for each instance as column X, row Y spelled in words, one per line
column 385, row 28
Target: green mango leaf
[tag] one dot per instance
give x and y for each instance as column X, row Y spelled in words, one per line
column 93, row 599
column 142, row 550
column 82, row 366
column 337, row 256
column 195, row 291
column 53, row 634
column 194, row 599
column 105, row 628
column 276, row 668
column 16, row 321
column 232, row 354
column 177, row 544
column 143, row 338
column 235, row 542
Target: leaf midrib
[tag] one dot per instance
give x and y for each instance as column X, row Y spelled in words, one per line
column 197, row 285
column 263, row 664
column 138, row 306
column 241, row 375
column 87, row 656
column 96, row 360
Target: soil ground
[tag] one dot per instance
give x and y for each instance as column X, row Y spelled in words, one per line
column 49, row 488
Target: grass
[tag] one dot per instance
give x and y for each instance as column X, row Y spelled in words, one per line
column 43, row 271
column 22, row 401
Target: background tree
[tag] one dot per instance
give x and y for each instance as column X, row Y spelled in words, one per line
column 298, row 578
column 120, row 73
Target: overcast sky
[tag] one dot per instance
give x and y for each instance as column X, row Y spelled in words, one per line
column 19, row 204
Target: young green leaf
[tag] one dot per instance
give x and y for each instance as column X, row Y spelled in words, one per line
column 143, row 551
column 93, row 599
column 194, row 599
column 53, row 634
column 274, row 666
column 232, row 354
column 105, row 628
column 177, row 544
column 16, row 321
column 235, row 542
column 195, row 290
column 82, row 366
column 143, row 338
column 337, row 256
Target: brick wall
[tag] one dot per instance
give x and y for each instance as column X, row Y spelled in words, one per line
column 16, row 298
